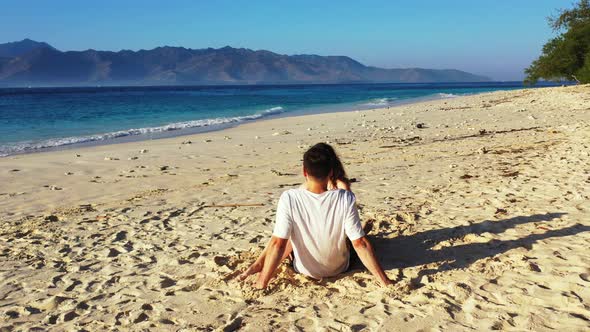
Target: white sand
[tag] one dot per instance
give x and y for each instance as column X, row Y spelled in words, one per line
column 480, row 230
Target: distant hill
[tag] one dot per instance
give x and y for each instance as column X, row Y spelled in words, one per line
column 15, row 49
column 33, row 63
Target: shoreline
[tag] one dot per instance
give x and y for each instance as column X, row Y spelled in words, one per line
column 204, row 129
column 480, row 207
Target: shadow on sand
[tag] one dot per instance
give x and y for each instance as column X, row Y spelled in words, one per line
column 416, row 249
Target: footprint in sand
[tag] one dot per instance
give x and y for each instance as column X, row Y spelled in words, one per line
column 167, row 282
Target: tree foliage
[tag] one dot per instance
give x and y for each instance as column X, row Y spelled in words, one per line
column 566, row 56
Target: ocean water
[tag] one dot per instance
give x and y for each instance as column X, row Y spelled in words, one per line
column 34, row 119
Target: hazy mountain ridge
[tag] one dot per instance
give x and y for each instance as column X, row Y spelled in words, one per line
column 33, row 63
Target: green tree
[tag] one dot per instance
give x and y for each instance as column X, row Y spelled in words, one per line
column 566, row 56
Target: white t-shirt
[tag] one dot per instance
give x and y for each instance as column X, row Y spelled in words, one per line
column 317, row 226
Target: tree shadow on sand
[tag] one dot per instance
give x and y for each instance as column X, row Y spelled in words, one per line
column 417, row 249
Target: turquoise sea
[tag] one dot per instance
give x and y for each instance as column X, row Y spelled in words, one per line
column 33, row 119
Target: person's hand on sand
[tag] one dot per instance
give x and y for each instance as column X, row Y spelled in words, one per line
column 252, row 269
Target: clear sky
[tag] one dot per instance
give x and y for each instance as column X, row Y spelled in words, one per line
column 497, row 38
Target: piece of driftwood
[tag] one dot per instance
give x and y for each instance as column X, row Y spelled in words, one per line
column 232, row 205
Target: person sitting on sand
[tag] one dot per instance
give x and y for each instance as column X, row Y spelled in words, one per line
column 313, row 223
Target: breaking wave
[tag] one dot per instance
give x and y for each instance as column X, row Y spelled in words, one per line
column 29, row 146
column 447, row 95
column 381, row 102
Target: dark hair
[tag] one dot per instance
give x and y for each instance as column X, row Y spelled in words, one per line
column 320, row 159
column 317, row 162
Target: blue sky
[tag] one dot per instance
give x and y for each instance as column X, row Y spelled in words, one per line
column 497, row 38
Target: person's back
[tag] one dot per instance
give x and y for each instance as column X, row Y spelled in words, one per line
column 317, row 226
column 313, row 223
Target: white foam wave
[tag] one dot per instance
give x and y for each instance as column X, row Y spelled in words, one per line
column 29, row 146
column 380, row 102
column 447, row 95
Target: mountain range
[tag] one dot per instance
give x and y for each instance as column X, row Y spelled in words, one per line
column 31, row 63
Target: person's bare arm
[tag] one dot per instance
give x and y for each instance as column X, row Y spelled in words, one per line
column 367, row 255
column 274, row 254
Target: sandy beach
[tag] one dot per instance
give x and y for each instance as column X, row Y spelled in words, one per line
column 480, row 207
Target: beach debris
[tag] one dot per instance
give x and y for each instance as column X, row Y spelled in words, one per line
column 402, row 141
column 420, row 125
column 164, row 168
column 511, row 174
column 232, row 205
column 256, row 137
column 309, row 129
column 51, row 218
column 132, row 158
column 532, row 117
column 207, row 141
column 55, row 188
column 483, row 150
column 465, row 176
column 111, row 158
column 453, row 166
column 186, row 142
column 284, row 132
column 482, row 132
column 279, row 173
column 68, row 173
column 289, row 185
column 85, row 208
column 143, row 151
column 500, row 211
column 226, row 137
column 78, row 156
column 15, row 170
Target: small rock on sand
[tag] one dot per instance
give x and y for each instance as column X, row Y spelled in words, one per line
column 54, row 188
column 284, row 132
column 143, row 151
column 132, row 158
